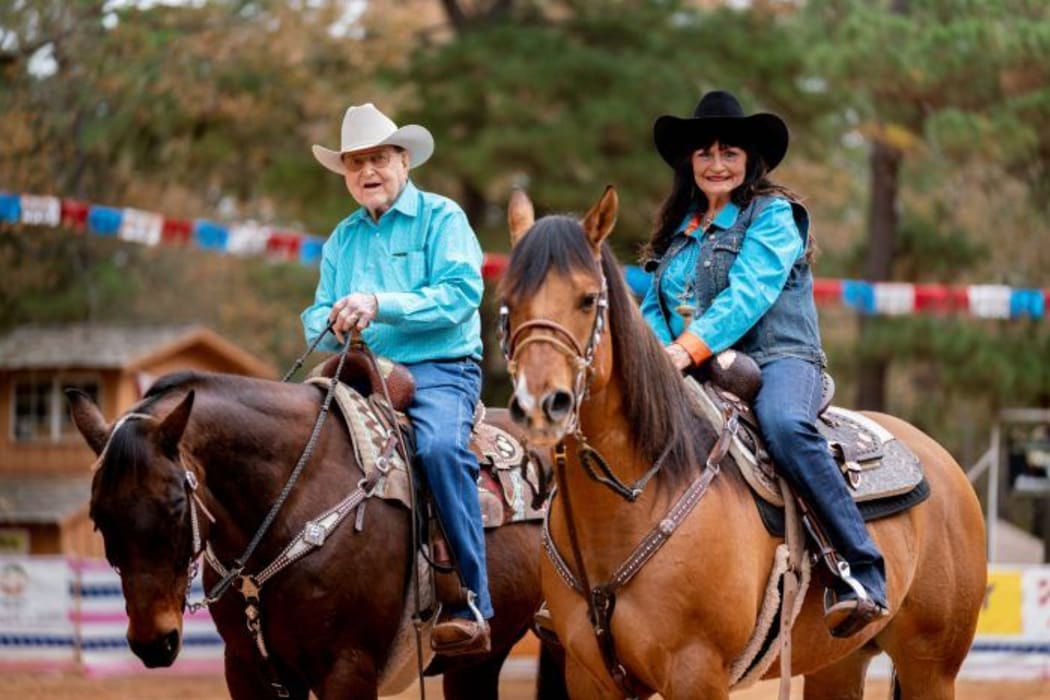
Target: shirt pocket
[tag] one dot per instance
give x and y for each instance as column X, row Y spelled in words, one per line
column 407, row 269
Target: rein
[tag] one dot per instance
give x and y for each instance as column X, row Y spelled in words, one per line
column 312, row 536
column 240, row 562
column 601, row 598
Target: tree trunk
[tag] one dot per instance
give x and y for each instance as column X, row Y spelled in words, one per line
column 882, row 228
column 473, row 202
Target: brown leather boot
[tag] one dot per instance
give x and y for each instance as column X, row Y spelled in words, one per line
column 457, row 637
column 849, row 616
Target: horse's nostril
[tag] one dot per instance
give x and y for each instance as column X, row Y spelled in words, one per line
column 171, row 641
column 557, row 405
column 516, row 414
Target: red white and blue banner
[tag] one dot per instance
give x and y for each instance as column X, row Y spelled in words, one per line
column 991, row 301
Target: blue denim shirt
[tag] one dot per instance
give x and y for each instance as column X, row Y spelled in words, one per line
column 750, row 283
column 423, row 263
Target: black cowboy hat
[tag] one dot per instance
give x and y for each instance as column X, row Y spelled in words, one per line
column 719, row 114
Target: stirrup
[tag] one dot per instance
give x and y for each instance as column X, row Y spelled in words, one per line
column 848, row 617
column 543, row 625
column 478, row 643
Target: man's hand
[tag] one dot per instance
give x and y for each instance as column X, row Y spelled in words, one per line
column 352, row 312
column 679, row 357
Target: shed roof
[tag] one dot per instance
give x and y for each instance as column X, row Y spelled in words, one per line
column 42, row 499
column 108, row 346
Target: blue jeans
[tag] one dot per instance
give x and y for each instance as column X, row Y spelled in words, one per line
column 442, row 414
column 786, row 408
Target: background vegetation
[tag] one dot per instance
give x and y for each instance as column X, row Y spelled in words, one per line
column 918, row 137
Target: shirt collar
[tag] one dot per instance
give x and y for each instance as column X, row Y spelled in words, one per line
column 725, row 218
column 407, row 203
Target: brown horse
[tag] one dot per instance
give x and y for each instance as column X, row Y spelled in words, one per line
column 687, row 615
column 329, row 618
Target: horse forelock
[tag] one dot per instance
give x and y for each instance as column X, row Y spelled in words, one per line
column 128, row 451
column 554, row 243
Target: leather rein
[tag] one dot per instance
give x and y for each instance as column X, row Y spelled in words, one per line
column 601, row 598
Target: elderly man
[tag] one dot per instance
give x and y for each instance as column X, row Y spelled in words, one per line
column 405, row 271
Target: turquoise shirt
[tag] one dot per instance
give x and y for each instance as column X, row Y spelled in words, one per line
column 423, row 263
column 771, row 246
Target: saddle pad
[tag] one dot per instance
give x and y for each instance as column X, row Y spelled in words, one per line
column 773, row 516
column 880, row 465
column 507, row 488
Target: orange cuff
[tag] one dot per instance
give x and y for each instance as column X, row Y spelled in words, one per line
column 696, row 348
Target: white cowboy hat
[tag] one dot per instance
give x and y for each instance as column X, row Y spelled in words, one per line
column 366, row 127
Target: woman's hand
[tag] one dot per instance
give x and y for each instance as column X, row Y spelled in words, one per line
column 352, row 312
column 679, row 357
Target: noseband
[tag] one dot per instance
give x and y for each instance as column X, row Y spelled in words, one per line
column 581, row 358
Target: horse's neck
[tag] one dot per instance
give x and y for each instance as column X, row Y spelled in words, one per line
column 246, row 463
column 605, row 425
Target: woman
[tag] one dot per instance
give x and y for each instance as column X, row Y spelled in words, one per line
column 730, row 270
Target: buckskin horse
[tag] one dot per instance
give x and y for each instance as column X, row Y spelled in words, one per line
column 584, row 363
column 203, row 446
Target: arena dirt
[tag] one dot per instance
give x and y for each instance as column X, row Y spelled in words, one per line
column 35, row 686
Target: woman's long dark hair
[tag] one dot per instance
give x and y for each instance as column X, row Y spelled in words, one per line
column 685, row 195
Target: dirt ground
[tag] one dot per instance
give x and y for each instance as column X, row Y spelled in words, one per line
column 29, row 686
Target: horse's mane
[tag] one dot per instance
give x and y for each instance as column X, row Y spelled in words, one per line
column 126, row 446
column 660, row 412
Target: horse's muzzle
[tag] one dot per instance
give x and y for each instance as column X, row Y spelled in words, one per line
column 548, row 419
column 159, row 652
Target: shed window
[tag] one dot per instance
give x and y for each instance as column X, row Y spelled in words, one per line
column 41, row 411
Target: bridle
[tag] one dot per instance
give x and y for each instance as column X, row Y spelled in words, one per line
column 191, row 483
column 600, row 598
column 581, row 358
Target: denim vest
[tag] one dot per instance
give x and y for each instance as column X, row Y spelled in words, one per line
column 789, row 328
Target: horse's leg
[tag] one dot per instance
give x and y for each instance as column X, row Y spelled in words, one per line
column 697, row 673
column 584, row 685
column 352, row 675
column 550, row 676
column 843, row 680
column 925, row 667
column 245, row 680
column 480, row 680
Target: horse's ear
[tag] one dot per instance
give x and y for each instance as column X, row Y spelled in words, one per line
column 88, row 419
column 171, row 428
column 599, row 221
column 520, row 216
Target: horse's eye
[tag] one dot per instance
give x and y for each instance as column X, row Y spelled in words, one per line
column 588, row 301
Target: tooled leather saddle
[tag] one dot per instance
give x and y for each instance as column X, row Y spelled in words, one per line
column 510, row 485
column 882, row 474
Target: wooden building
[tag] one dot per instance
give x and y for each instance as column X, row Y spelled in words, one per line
column 44, row 463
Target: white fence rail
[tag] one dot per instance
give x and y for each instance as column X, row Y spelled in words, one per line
column 56, row 613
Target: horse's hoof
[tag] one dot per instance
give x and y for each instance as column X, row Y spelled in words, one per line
column 458, row 637
column 848, row 617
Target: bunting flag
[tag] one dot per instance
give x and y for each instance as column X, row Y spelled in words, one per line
column 989, row 301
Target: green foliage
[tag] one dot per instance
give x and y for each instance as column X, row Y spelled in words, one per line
column 565, row 106
column 181, row 109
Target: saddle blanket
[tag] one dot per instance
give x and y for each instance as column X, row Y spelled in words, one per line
column 874, row 463
column 508, row 485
